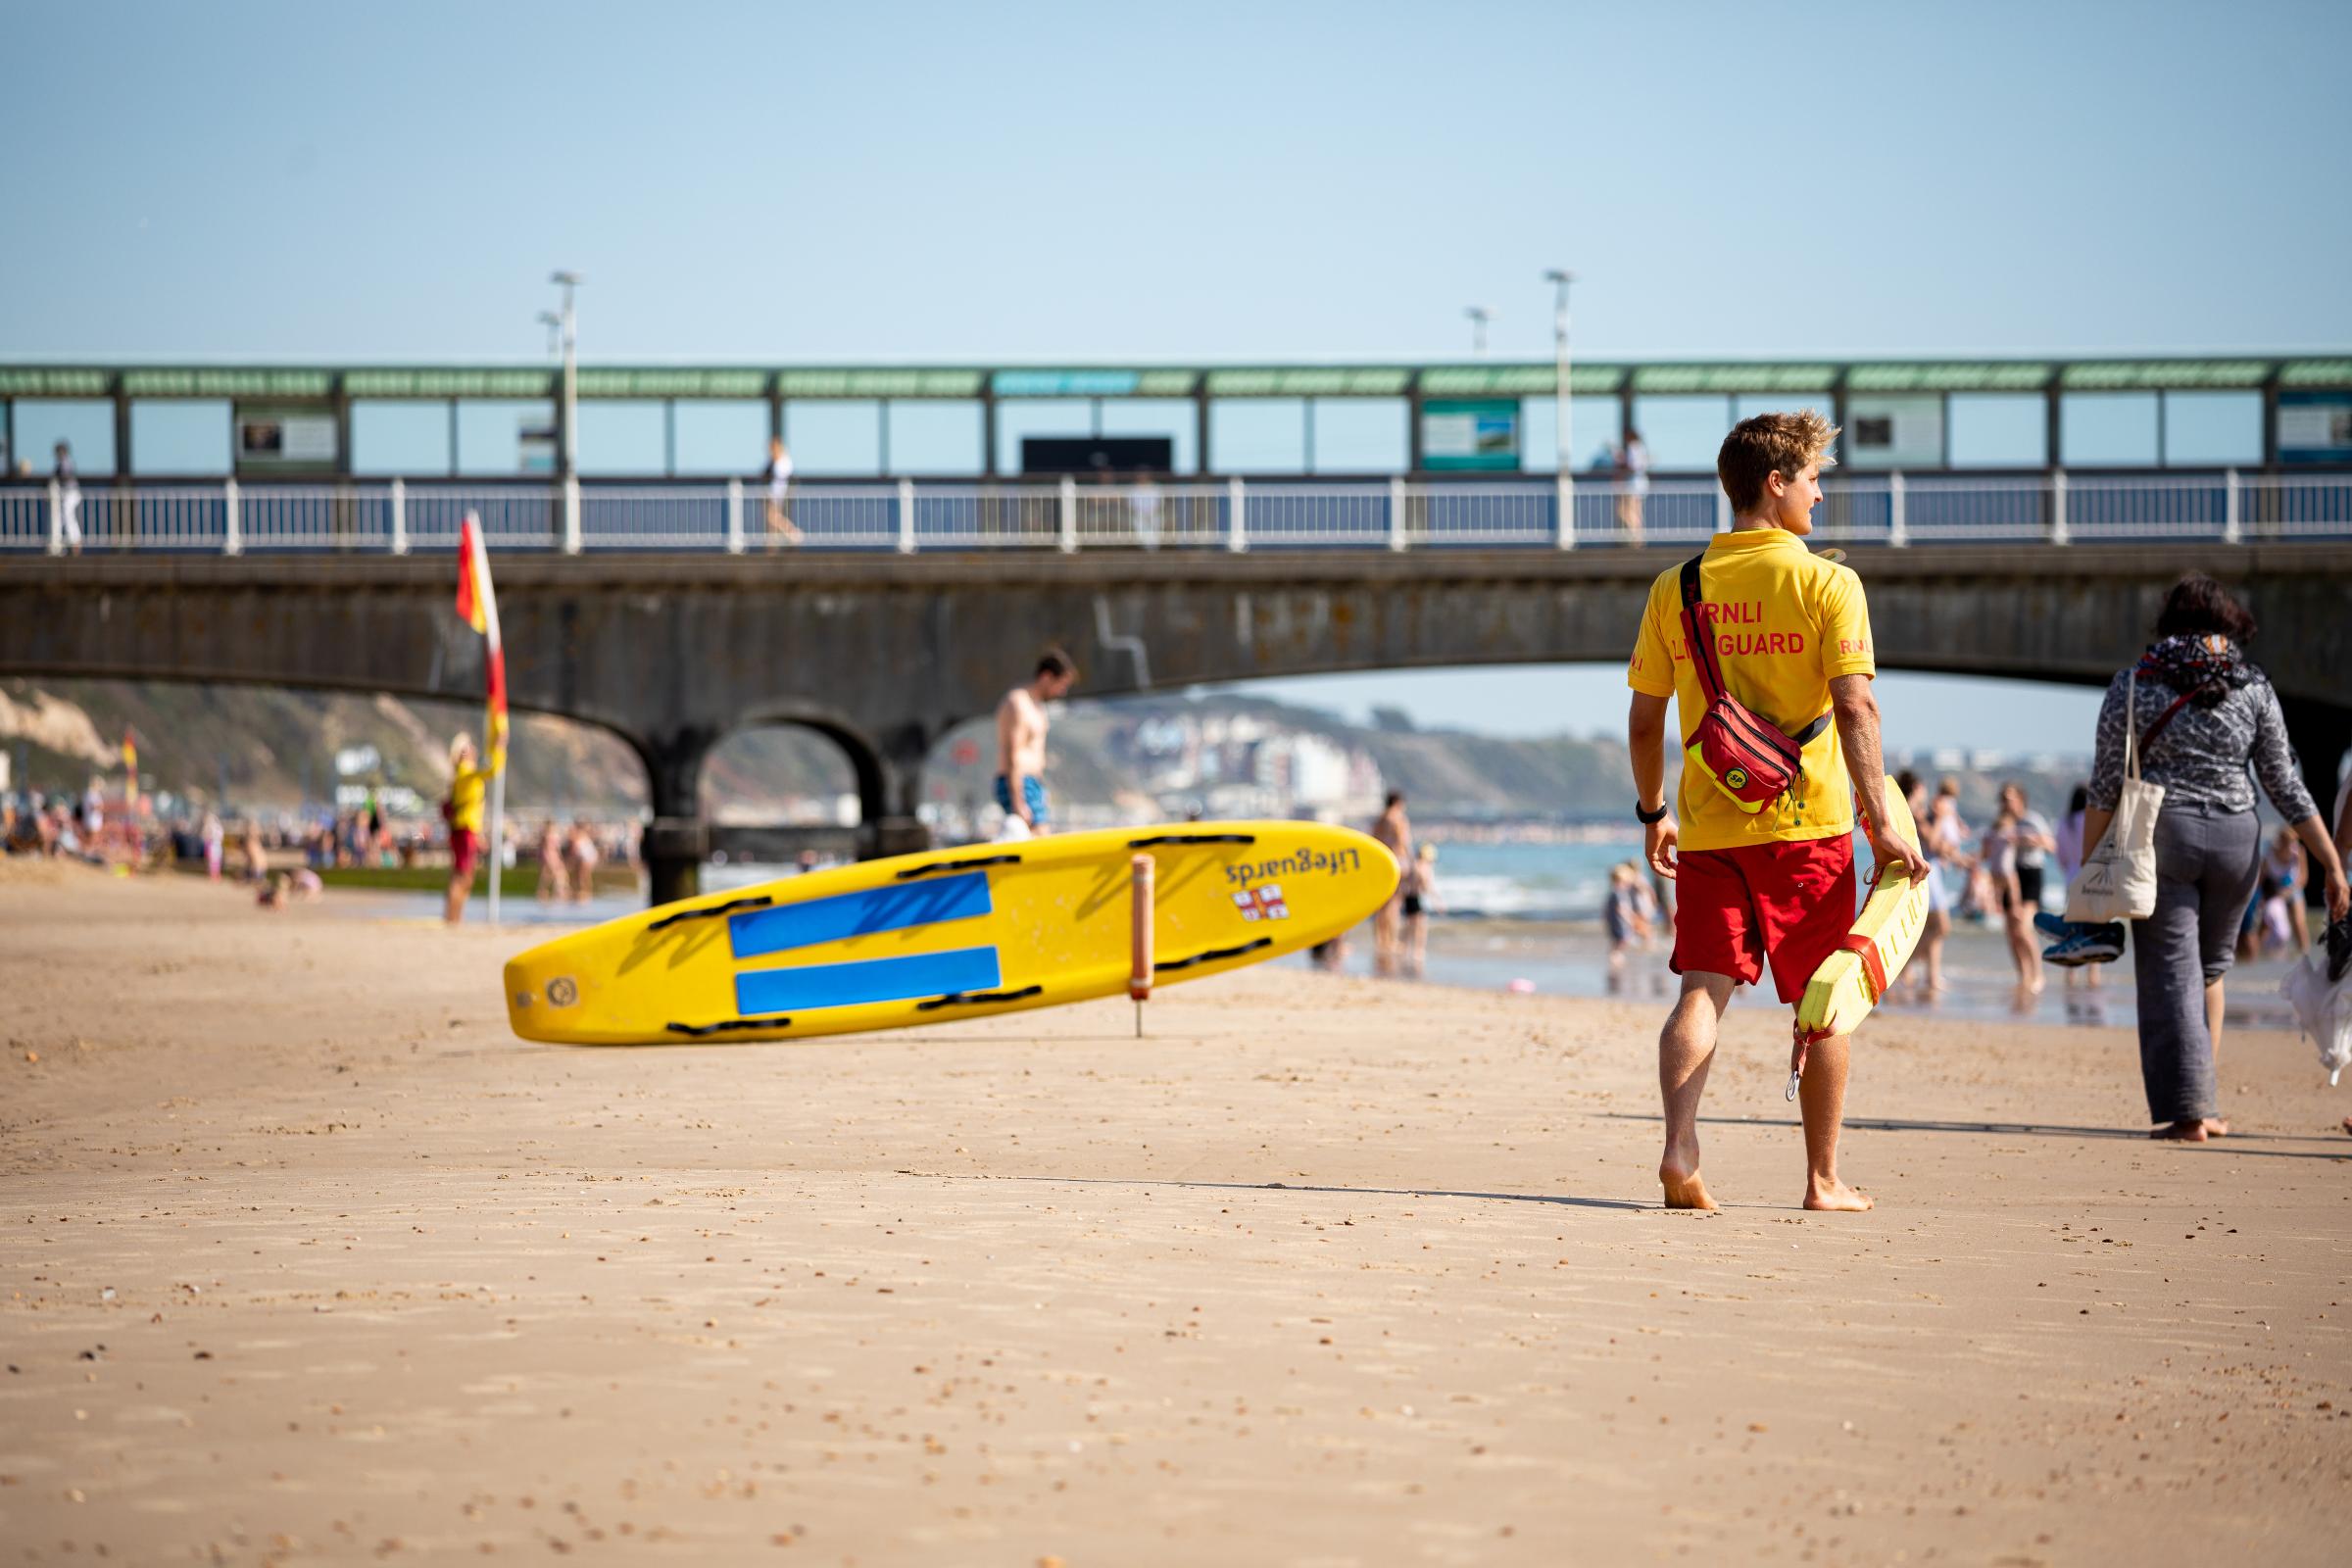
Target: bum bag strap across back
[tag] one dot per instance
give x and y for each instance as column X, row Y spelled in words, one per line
column 1701, row 649
column 1703, row 658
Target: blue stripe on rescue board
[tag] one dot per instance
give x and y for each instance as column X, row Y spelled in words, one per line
column 849, row 985
column 858, row 914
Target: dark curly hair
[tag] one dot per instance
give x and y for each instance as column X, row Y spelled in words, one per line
column 2198, row 604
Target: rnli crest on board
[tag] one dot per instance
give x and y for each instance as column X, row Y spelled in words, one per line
column 1262, row 903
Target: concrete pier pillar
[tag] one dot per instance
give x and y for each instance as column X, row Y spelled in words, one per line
column 889, row 773
column 678, row 840
column 890, row 824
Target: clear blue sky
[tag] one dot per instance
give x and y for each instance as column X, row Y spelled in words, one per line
column 1082, row 182
column 1200, row 181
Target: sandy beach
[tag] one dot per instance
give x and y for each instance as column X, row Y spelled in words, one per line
column 307, row 1259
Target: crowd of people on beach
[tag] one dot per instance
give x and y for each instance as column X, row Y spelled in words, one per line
column 286, row 858
column 568, row 856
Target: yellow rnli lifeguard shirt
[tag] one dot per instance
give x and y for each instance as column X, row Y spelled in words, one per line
column 466, row 789
column 1786, row 622
column 469, row 787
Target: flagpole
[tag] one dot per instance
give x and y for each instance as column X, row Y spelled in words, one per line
column 498, row 838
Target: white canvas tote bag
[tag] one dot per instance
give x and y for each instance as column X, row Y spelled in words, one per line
column 2118, row 879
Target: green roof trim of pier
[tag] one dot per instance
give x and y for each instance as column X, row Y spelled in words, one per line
column 2316, row 373
column 324, row 383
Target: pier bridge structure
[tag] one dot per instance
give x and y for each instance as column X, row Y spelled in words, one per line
column 292, row 524
column 883, row 652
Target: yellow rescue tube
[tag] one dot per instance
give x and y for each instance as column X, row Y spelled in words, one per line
column 924, row 938
column 1852, row 980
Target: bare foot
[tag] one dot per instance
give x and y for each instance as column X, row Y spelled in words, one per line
column 1835, row 1197
column 2181, row 1131
column 1683, row 1189
column 2217, row 1127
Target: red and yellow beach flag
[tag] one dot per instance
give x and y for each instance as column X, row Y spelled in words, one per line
column 130, row 766
column 479, row 605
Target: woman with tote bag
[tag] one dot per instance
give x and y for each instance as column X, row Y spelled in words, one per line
column 2194, row 714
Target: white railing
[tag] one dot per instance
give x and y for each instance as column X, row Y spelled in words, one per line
column 314, row 516
column 1675, row 512
column 1954, row 508
column 513, row 516
column 1186, row 515
column 2161, row 508
column 1517, row 513
column 2294, row 506
column 660, row 517
column 833, row 517
column 987, row 516
column 1869, row 509
column 25, row 517
column 165, row 517
column 1305, row 514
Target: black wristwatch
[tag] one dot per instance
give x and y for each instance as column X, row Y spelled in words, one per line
column 1647, row 817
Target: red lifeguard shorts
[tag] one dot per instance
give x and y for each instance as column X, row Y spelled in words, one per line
column 466, row 851
column 1788, row 903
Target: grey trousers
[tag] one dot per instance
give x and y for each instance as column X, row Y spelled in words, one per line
column 2206, row 863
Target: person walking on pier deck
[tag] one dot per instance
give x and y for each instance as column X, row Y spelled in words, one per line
column 1760, row 878
column 1634, row 470
column 69, row 498
column 779, row 490
column 1021, row 740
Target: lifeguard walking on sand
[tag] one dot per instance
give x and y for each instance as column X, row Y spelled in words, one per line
column 1771, row 880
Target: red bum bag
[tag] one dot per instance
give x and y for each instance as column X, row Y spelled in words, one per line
column 1743, row 754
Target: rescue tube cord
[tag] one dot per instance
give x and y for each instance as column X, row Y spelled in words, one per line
column 914, row 871
column 1804, row 1038
column 1860, row 948
column 712, row 914
column 966, row 999
column 721, row 1027
column 1212, row 956
column 1191, row 838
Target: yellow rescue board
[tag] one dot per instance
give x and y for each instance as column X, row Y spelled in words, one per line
column 1850, row 981
column 923, row 939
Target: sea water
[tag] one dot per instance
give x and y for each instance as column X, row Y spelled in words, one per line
column 1527, row 881
column 1527, row 917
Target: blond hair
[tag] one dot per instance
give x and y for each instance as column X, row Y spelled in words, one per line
column 1785, row 444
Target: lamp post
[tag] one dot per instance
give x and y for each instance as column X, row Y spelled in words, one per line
column 1478, row 315
column 567, row 471
column 1563, row 401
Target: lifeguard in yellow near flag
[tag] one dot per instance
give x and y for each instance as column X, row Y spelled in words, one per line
column 476, row 781
column 926, row 939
